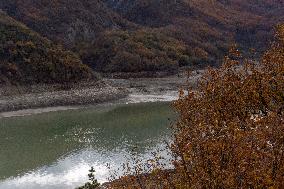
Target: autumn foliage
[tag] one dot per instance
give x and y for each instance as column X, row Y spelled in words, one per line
column 136, row 51
column 26, row 57
column 230, row 131
column 206, row 27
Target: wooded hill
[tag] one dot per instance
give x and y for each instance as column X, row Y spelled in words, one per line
column 26, row 57
column 143, row 35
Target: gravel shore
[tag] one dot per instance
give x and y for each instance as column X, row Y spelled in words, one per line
column 52, row 96
column 61, row 97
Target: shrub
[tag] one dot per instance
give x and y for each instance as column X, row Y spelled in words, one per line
column 93, row 183
column 230, row 131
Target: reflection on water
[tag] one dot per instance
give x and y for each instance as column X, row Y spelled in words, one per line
column 55, row 150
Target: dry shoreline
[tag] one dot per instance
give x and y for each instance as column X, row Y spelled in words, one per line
column 52, row 96
column 15, row 101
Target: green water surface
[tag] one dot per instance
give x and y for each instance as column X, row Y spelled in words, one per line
column 30, row 142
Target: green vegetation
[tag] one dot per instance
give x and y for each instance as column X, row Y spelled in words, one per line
column 26, row 57
column 93, row 183
column 136, row 51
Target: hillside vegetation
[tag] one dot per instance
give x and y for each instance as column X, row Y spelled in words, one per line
column 212, row 25
column 26, row 57
column 65, row 21
column 206, row 27
column 136, row 51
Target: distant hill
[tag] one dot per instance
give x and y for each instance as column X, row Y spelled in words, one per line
column 136, row 51
column 65, row 21
column 209, row 24
column 206, row 27
column 26, row 57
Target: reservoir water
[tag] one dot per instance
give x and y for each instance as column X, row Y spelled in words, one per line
column 56, row 149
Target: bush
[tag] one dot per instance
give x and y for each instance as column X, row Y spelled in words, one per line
column 230, row 131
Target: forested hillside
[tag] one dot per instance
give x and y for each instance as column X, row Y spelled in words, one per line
column 206, row 28
column 211, row 25
column 26, row 57
column 136, row 51
column 65, row 21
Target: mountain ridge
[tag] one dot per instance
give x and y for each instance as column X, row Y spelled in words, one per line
column 208, row 28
